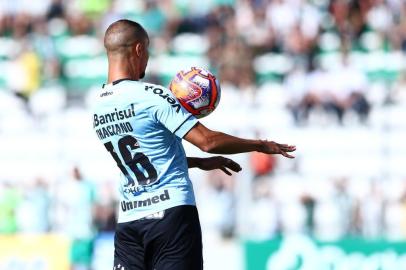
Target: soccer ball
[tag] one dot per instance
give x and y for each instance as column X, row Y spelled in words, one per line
column 197, row 90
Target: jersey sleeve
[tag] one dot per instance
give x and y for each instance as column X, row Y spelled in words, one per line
column 174, row 117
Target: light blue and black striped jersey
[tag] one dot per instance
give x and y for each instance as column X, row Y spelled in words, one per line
column 142, row 126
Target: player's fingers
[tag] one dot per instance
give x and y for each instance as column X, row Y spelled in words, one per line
column 289, row 148
column 282, row 144
column 231, row 164
column 286, row 155
column 225, row 170
column 285, row 145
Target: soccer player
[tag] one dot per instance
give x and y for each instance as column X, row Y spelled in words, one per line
column 142, row 126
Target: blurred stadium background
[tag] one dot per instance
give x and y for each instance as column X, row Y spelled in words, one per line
column 328, row 76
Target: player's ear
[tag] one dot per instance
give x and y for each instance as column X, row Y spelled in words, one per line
column 139, row 49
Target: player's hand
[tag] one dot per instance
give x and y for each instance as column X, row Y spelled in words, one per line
column 219, row 162
column 271, row 147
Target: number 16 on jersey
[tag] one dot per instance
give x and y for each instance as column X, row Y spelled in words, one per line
column 137, row 163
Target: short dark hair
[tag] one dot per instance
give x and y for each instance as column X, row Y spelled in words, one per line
column 123, row 34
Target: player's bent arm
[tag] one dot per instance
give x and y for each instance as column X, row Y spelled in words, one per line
column 220, row 143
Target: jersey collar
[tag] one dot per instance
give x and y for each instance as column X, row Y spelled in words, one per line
column 118, row 81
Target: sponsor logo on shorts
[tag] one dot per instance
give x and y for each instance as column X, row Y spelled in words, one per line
column 129, row 205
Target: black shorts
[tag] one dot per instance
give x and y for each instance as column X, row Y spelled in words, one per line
column 169, row 242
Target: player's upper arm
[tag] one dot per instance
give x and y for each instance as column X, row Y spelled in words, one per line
column 171, row 114
column 199, row 135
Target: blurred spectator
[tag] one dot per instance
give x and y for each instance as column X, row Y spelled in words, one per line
column 105, row 217
column 336, row 91
column 252, row 25
column 76, row 198
column 264, row 215
column 219, row 201
column 46, row 50
column 334, row 214
column 293, row 217
column 394, row 219
column 313, row 96
column 33, row 211
column 105, row 208
column 24, row 75
column 349, row 86
column 10, row 199
column 55, row 10
column 309, row 204
column 371, row 212
column 262, row 164
column 398, row 94
column 296, row 87
column 93, row 7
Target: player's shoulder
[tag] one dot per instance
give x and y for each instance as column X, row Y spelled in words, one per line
column 148, row 94
column 155, row 88
column 144, row 87
column 159, row 93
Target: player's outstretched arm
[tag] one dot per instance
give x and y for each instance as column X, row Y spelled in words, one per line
column 220, row 143
column 212, row 163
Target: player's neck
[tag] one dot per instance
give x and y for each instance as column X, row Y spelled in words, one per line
column 119, row 70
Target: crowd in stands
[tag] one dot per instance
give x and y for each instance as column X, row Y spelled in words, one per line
column 325, row 51
column 286, row 67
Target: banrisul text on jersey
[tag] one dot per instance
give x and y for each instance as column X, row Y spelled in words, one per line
column 113, row 128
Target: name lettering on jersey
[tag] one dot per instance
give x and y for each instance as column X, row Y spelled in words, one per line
column 113, row 128
column 167, row 97
column 129, row 205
